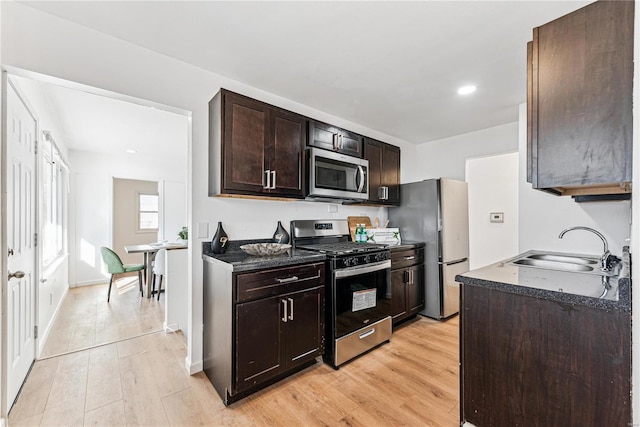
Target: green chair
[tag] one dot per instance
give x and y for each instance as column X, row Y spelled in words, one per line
column 115, row 266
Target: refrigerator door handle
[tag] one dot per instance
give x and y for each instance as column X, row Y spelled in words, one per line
column 458, row 261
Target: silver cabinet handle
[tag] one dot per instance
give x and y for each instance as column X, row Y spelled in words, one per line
column 366, row 334
column 386, row 192
column 284, row 310
column 288, row 279
column 336, row 144
column 409, row 257
column 43, row 280
column 18, row 275
column 290, row 308
column 273, row 183
column 10, row 252
column 268, row 173
column 411, row 276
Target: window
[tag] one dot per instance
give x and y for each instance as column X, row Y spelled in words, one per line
column 55, row 183
column 147, row 212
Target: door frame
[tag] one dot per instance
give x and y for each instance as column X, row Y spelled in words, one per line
column 4, row 374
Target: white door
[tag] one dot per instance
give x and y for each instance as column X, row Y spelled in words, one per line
column 20, row 175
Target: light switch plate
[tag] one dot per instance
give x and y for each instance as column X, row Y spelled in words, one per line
column 496, row 217
column 203, row 230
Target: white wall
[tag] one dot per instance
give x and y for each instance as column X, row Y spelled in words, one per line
column 173, row 209
column 446, row 157
column 543, row 216
column 91, row 204
column 45, row 44
column 493, row 187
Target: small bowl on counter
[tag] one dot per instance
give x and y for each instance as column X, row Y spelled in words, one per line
column 265, row 249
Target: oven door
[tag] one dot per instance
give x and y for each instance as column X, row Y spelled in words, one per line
column 362, row 296
column 337, row 175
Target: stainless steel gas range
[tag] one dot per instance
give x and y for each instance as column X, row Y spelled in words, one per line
column 358, row 290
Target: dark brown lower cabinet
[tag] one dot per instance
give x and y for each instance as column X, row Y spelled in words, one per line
column 260, row 326
column 527, row 361
column 407, row 284
column 276, row 334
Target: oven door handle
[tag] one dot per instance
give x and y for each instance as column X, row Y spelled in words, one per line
column 354, row 271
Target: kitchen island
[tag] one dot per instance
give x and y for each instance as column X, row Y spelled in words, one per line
column 534, row 354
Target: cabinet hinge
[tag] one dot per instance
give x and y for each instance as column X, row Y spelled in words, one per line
column 35, row 146
column 35, row 239
column 35, row 331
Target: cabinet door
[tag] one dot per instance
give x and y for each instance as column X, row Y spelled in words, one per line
column 581, row 82
column 391, row 173
column 305, row 326
column 246, row 123
column 373, row 153
column 350, row 143
column 285, row 148
column 398, row 293
column 415, row 289
column 259, row 334
column 322, row 135
column 333, row 138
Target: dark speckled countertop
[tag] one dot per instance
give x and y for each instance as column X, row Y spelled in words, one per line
column 240, row 262
column 554, row 285
column 406, row 245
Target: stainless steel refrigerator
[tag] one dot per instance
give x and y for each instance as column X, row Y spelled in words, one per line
column 435, row 211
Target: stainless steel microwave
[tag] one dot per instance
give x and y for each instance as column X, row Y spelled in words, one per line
column 337, row 176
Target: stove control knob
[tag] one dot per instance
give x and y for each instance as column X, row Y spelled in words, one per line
column 367, row 258
column 349, row 262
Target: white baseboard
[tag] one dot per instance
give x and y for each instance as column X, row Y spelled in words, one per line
column 173, row 327
column 89, row 283
column 192, row 368
column 42, row 338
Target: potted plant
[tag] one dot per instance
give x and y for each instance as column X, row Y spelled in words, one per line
column 184, row 234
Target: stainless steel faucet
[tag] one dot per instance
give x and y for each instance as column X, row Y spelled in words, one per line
column 604, row 259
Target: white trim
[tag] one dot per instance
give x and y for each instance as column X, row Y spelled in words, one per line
column 192, row 368
column 173, row 327
column 42, row 336
column 89, row 283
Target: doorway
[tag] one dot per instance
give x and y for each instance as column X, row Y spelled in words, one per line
column 101, row 138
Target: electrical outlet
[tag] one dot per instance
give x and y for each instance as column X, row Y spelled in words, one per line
column 332, row 208
column 496, row 217
column 203, row 230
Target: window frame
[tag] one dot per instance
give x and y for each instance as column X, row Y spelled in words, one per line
column 139, row 211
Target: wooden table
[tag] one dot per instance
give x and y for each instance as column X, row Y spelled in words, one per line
column 149, row 252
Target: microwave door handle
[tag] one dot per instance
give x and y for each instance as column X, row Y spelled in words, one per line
column 360, row 172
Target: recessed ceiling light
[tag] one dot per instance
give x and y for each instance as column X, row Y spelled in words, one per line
column 466, row 90
column 132, row 151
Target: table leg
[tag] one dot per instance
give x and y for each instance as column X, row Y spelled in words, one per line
column 149, row 256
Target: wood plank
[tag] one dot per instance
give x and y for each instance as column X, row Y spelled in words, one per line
column 103, row 385
column 108, row 415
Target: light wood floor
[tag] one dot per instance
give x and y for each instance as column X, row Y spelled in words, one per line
column 86, row 318
column 411, row 381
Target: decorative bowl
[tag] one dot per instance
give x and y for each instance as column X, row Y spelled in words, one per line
column 265, row 249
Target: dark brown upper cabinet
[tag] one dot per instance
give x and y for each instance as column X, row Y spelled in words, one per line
column 333, row 138
column 579, row 102
column 256, row 149
column 384, row 172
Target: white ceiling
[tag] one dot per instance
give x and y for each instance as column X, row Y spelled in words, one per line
column 88, row 122
column 391, row 66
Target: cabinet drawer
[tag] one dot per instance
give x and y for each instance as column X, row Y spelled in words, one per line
column 406, row 258
column 272, row 282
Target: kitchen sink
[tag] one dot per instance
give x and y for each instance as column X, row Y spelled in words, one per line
column 589, row 264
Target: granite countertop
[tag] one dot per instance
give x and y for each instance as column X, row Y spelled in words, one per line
column 240, row 262
column 560, row 286
column 405, row 245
